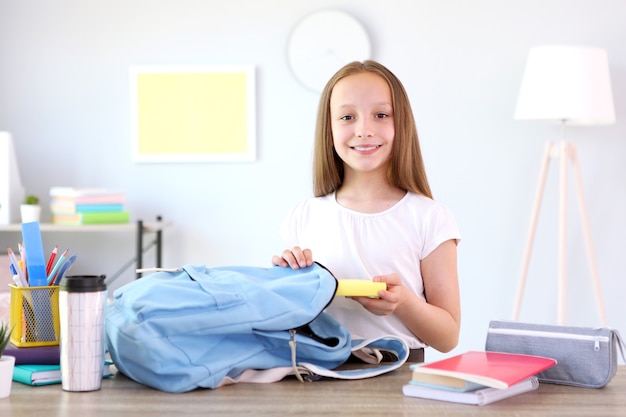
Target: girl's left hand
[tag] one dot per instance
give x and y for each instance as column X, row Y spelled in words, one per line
column 388, row 300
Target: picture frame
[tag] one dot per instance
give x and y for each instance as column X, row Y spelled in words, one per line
column 193, row 113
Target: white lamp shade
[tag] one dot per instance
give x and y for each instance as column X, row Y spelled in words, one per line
column 568, row 84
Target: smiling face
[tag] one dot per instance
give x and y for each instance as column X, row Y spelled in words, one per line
column 361, row 113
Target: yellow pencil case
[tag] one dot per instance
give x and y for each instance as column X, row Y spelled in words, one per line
column 359, row 288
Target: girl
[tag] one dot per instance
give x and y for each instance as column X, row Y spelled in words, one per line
column 373, row 216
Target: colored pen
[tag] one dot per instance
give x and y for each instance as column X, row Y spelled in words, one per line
column 12, row 256
column 16, row 264
column 21, row 249
column 64, row 269
column 51, row 259
column 17, row 281
column 56, row 267
column 16, row 277
column 23, row 261
column 22, row 267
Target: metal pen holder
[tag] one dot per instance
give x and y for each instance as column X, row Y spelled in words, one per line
column 34, row 316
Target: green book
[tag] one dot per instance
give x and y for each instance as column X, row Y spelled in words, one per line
column 37, row 375
column 465, row 387
column 103, row 217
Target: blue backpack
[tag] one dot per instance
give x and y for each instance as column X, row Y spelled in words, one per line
column 200, row 327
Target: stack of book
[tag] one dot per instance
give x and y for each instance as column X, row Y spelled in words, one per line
column 477, row 378
column 78, row 206
column 40, row 365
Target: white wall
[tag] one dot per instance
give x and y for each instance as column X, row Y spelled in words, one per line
column 64, row 95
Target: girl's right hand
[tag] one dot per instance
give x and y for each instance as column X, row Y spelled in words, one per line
column 295, row 258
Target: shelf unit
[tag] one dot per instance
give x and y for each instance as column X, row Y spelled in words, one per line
column 140, row 228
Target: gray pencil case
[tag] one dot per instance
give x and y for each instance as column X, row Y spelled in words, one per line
column 586, row 357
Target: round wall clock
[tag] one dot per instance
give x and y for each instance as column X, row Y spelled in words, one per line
column 322, row 43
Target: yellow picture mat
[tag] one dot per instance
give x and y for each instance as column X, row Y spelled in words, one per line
column 193, row 114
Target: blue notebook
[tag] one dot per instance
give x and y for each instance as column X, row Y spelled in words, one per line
column 37, row 375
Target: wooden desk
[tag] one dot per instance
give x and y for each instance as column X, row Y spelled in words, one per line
column 380, row 396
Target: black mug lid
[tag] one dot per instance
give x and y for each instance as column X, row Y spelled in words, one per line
column 83, row 283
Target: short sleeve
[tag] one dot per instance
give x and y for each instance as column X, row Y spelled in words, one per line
column 440, row 227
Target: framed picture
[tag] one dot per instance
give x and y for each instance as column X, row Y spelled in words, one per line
column 193, row 114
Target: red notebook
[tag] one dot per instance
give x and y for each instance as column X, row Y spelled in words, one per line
column 492, row 369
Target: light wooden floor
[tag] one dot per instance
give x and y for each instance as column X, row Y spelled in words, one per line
column 380, row 396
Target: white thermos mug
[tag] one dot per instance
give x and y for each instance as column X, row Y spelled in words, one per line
column 82, row 300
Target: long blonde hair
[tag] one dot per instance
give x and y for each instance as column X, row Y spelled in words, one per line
column 406, row 169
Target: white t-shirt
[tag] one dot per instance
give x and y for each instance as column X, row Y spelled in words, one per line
column 354, row 245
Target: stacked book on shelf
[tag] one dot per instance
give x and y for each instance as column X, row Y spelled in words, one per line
column 79, row 206
column 477, row 378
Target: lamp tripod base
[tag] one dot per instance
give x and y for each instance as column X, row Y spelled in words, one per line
column 566, row 152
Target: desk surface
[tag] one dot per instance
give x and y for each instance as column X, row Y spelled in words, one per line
column 380, row 396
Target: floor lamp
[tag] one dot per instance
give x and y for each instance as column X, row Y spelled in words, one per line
column 571, row 86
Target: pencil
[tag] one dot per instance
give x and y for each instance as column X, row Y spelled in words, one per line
column 51, row 259
column 57, row 266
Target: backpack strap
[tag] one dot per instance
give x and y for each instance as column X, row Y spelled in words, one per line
column 388, row 343
column 313, row 372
